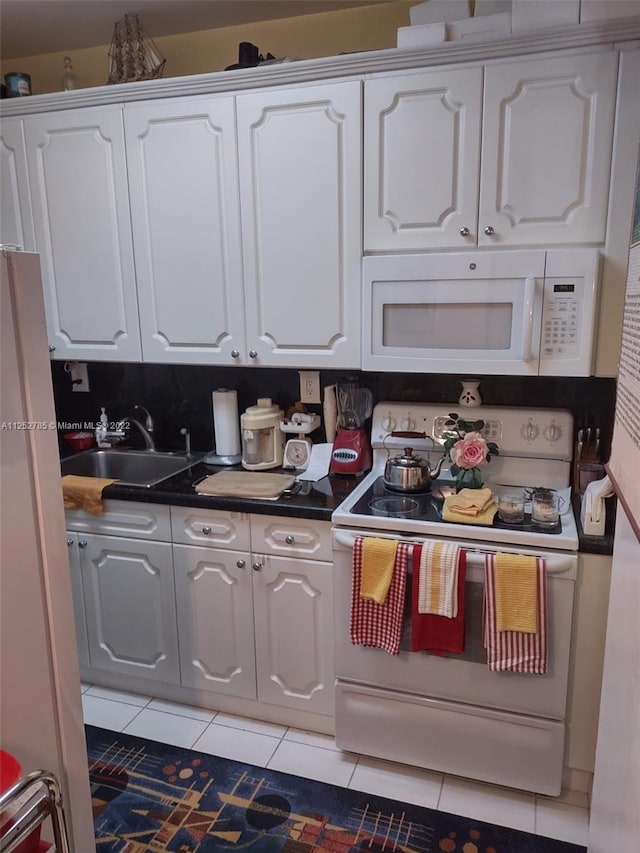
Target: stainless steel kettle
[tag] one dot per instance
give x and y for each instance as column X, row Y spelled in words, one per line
column 409, row 472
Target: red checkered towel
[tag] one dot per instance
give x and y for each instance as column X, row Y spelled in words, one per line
column 379, row 625
column 515, row 651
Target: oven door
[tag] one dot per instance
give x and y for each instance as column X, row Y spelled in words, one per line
column 461, row 678
column 478, row 312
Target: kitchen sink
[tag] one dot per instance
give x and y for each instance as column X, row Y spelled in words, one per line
column 130, row 467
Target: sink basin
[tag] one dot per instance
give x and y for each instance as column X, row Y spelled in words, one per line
column 130, row 467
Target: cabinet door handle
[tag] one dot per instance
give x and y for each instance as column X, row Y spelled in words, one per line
column 464, row 232
column 240, row 564
column 289, row 539
column 52, row 348
column 82, row 543
column 257, row 567
column 69, row 542
column 489, row 231
column 235, row 353
column 206, row 530
column 253, row 354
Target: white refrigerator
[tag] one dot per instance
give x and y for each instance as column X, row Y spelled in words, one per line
column 41, row 721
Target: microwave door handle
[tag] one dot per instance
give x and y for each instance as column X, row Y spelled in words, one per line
column 527, row 318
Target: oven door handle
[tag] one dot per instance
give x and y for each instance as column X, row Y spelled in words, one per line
column 527, row 318
column 556, row 563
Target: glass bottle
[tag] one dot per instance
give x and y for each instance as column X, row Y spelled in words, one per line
column 69, row 80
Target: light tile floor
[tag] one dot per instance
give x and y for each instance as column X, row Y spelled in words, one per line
column 316, row 756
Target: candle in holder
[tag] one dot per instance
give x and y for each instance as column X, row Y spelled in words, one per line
column 545, row 508
column 511, row 508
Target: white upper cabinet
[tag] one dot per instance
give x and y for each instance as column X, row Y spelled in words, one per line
column 183, row 185
column 546, row 150
column 16, row 223
column 421, row 159
column 299, row 153
column 522, row 160
column 80, row 199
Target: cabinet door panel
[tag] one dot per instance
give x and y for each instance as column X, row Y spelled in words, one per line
column 77, row 172
column 421, row 160
column 292, row 537
column 546, row 151
column 186, row 229
column 210, row 528
column 124, row 519
column 78, row 598
column 215, row 620
column 130, row 607
column 293, row 612
column 300, row 184
column 16, row 223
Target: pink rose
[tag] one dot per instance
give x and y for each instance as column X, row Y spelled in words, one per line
column 470, row 451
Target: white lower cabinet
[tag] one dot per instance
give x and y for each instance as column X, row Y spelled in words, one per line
column 215, row 620
column 292, row 611
column 252, row 624
column 130, row 606
column 233, row 604
column 76, row 543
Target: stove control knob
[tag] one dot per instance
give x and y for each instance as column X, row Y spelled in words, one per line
column 408, row 425
column 530, row 431
column 552, row 432
column 388, row 424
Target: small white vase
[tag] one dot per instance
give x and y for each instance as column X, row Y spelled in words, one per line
column 470, row 396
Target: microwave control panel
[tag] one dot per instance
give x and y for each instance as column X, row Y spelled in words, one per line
column 561, row 318
column 569, row 312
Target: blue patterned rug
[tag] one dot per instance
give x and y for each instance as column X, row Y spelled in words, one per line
column 148, row 796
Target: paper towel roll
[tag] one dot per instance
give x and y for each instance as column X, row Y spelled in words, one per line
column 226, row 427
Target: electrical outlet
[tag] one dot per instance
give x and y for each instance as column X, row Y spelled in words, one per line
column 309, row 386
column 79, row 376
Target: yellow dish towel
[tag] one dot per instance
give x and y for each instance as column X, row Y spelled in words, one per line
column 516, row 581
column 84, row 493
column 378, row 560
column 483, row 516
column 470, row 501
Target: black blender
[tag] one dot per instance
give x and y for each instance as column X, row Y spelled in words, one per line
column 351, row 453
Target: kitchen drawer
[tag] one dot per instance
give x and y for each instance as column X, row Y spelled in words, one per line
column 291, row 537
column 216, row 528
column 124, row 518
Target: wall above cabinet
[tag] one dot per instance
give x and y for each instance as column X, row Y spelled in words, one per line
column 345, row 65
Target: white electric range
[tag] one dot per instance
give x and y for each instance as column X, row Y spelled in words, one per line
column 449, row 712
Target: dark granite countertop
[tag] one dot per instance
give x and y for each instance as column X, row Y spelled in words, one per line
column 313, row 500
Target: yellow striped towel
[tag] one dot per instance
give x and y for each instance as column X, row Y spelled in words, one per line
column 516, row 583
column 438, row 580
column 378, row 560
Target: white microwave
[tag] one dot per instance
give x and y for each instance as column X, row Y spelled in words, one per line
column 530, row 313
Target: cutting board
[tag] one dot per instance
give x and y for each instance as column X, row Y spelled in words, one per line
column 245, row 484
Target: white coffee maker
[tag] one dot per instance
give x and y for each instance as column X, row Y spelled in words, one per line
column 262, row 438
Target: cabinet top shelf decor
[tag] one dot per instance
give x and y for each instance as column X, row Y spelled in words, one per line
column 356, row 65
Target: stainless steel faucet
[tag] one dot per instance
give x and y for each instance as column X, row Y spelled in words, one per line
column 145, row 429
column 148, row 425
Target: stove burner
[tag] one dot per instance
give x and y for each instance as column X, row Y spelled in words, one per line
column 396, row 507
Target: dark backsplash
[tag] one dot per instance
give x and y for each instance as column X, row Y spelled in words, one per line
column 180, row 395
